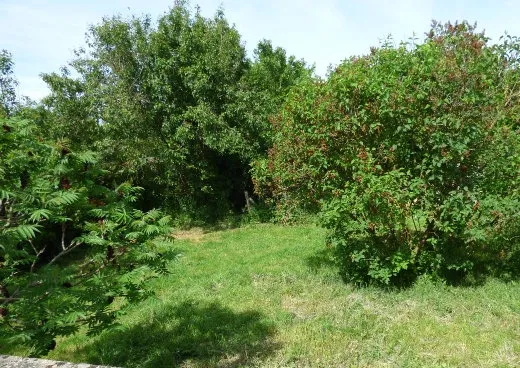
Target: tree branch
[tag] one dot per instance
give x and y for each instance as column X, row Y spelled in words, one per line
column 64, row 252
column 38, row 254
column 63, row 230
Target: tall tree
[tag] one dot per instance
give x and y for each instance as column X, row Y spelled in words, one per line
column 177, row 105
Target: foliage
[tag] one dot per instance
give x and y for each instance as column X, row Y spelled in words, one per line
column 262, row 91
column 174, row 106
column 413, row 152
column 7, row 84
column 54, row 205
column 290, row 175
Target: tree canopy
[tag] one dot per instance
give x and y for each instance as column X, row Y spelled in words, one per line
column 176, row 106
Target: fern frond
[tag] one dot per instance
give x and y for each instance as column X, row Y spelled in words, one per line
column 152, row 215
column 87, row 157
column 27, row 232
column 39, row 214
column 165, row 221
column 121, row 216
column 64, row 198
column 4, row 194
column 99, row 213
column 152, row 230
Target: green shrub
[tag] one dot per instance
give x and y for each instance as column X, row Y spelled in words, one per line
column 412, row 154
column 70, row 245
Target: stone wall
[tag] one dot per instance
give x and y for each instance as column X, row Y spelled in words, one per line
column 17, row 362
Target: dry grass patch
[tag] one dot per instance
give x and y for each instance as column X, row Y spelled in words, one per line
column 194, row 235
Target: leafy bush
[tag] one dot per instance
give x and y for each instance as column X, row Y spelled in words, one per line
column 412, row 154
column 69, row 245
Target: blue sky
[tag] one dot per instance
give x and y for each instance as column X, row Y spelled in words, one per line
column 41, row 35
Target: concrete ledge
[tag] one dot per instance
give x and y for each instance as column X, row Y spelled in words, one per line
column 17, row 362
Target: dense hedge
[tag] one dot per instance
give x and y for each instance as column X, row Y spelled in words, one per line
column 412, row 155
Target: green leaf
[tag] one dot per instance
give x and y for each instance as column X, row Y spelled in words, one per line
column 27, row 232
column 39, row 214
column 63, row 198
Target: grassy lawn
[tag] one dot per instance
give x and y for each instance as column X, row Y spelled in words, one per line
column 266, row 295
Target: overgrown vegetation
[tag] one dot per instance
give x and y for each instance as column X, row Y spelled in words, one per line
column 412, row 155
column 409, row 156
column 7, row 84
column 54, row 202
column 183, row 111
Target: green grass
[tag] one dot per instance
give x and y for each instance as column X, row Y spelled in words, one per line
column 267, row 295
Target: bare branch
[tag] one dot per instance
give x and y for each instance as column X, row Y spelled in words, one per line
column 63, row 230
column 66, row 250
column 4, row 301
column 38, row 254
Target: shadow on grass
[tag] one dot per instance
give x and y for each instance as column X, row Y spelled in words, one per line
column 324, row 258
column 191, row 333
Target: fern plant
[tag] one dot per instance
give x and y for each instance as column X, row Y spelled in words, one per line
column 73, row 251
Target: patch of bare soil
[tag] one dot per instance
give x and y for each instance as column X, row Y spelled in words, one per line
column 195, row 235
